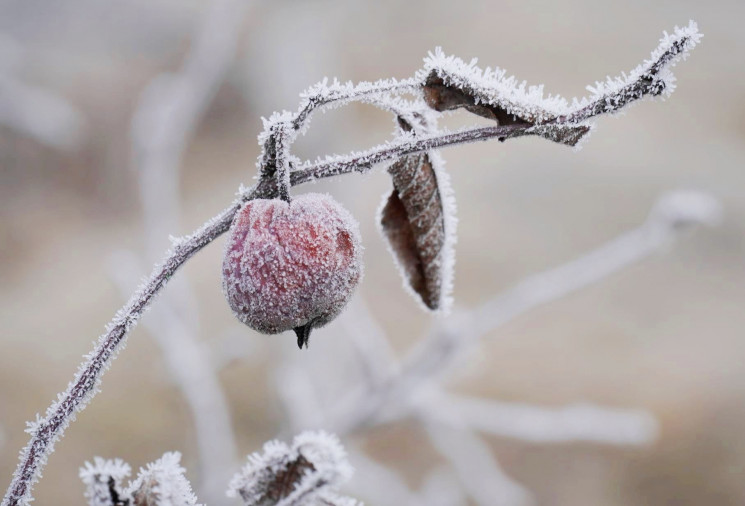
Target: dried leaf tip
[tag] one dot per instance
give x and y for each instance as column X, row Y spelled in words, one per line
column 309, row 471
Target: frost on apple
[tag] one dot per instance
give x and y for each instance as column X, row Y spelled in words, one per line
column 291, row 266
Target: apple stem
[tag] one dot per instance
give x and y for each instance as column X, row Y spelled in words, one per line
column 303, row 334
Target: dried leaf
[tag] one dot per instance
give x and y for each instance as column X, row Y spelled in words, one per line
column 304, row 473
column 413, row 220
column 447, row 97
column 443, row 92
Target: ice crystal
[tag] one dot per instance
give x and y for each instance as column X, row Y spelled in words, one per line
column 162, row 483
column 102, row 480
column 310, row 469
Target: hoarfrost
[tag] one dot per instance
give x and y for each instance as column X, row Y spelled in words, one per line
column 495, row 89
column 102, row 480
column 310, row 469
column 163, row 483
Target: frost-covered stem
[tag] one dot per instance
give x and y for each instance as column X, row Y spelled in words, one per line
column 282, row 141
column 196, row 377
column 84, row 386
column 316, row 99
column 649, row 83
column 362, row 162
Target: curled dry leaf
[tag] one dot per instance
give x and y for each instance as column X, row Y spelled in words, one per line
column 415, row 222
column 445, row 89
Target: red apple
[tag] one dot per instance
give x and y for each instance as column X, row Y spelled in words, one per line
column 291, row 265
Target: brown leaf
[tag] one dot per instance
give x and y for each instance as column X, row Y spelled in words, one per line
column 413, row 221
column 284, row 481
column 447, row 94
column 444, row 97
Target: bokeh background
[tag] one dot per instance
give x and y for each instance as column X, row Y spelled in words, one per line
column 665, row 334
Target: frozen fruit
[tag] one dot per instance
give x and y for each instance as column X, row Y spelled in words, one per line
column 291, row 265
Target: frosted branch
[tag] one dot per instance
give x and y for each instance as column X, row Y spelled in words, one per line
column 48, row 429
column 323, row 95
column 450, row 83
column 194, row 374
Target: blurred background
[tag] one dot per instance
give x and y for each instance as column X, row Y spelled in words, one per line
column 80, row 84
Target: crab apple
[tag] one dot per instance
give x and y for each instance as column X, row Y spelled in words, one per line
column 291, row 265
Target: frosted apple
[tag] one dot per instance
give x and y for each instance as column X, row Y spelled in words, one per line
column 291, row 266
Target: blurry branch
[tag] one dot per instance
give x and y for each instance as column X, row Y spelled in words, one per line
column 440, row 488
column 161, row 145
column 189, row 366
column 525, row 422
column 172, row 106
column 164, row 122
column 35, row 111
column 228, row 347
column 478, row 470
column 376, row 483
column 380, row 485
column 372, row 349
column 413, row 387
column 671, row 215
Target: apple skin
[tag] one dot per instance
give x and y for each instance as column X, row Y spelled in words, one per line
column 291, row 266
